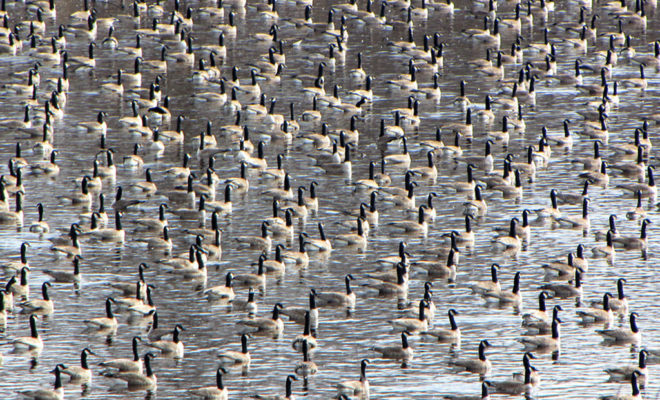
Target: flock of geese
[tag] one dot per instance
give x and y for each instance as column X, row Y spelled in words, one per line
column 426, row 186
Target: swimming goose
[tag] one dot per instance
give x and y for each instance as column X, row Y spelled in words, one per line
column 513, row 298
column 552, row 211
column 288, row 391
column 39, row 306
column 19, row 288
column 57, row 393
column 597, row 178
column 623, row 335
column 576, row 222
column 307, row 338
column 145, row 307
column 240, row 184
column 411, row 227
column 170, row 348
column 636, row 394
column 69, row 250
column 648, row 189
column 606, row 251
column 453, row 334
column 323, row 244
column 338, row 299
column 514, row 387
column 66, row 276
column 107, row 323
column 633, row 243
column 543, row 342
column 413, row 325
column 127, row 364
column 618, row 374
column 619, row 303
column 32, row 343
column 598, row 315
column 539, row 315
column 115, row 234
column 79, row 374
column 224, row 293
column 272, row 327
column 480, row 365
column 14, row 217
column 129, row 289
column 488, row 286
column 233, row 358
column 566, row 290
column 261, row 243
column 251, row 280
column 136, row 380
column 510, row 243
column 403, row 353
column 217, row 392
column 476, row 207
column 307, row 367
column 13, row 267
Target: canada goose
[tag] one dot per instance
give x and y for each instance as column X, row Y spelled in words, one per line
column 223, row 293
column 338, row 299
column 79, row 374
column 70, row 250
column 217, row 392
column 288, row 391
column 543, row 342
column 136, row 380
column 539, row 315
column 598, row 315
column 625, row 373
column 476, row 207
column 488, row 286
column 14, row 217
column 170, row 348
column 39, row 306
column 142, row 307
column 115, row 234
column 307, row 367
column 633, row 243
column 233, row 358
column 636, row 394
column 403, row 353
column 623, row 335
column 66, row 276
column 251, row 280
column 411, row 227
column 576, row 222
column 127, row 364
column 597, row 178
column 514, row 387
column 480, row 365
column 412, row 325
column 566, row 290
column 32, row 343
column 648, row 189
column 606, row 251
column 57, row 393
column 306, row 339
column 13, row 267
column 272, row 327
column 261, row 243
column 356, row 240
column 104, row 324
column 619, row 303
column 21, row 287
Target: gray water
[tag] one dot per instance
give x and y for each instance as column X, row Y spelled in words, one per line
column 344, row 340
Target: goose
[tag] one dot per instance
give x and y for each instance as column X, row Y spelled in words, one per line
column 561, row 269
column 39, row 306
column 543, row 342
column 625, row 373
column 636, row 394
column 32, row 343
column 338, row 299
column 115, row 234
column 20, row 288
column 597, row 178
column 619, row 303
column 159, row 243
column 356, row 388
column 143, row 308
column 81, row 374
column 633, row 243
column 237, row 358
column 623, row 335
column 136, row 380
column 602, row 234
column 107, row 323
column 224, row 292
column 14, row 217
column 480, row 365
column 488, row 286
column 413, row 325
column 465, row 130
column 514, row 387
column 399, row 287
column 357, row 240
column 510, row 243
column 476, row 207
column 72, row 250
column 513, row 298
column 452, row 335
column 153, row 224
column 217, row 392
column 170, row 348
column 305, row 341
column 14, row 267
column 66, row 276
column 438, row 268
column 323, row 244
column 307, row 367
column 260, row 243
column 300, row 258
column 134, row 364
column 288, row 391
column 403, row 353
column 222, row 207
column 552, row 211
column 598, row 315
column 57, row 393
column 566, row 290
column 251, row 280
column 575, row 222
column 483, row 396
column 648, row 189
column 272, row 327
column 411, row 227
column 540, row 315
column 607, row 251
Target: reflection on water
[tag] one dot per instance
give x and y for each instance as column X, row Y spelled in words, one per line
column 344, row 337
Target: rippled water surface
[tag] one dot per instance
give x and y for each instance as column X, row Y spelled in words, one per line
column 344, row 339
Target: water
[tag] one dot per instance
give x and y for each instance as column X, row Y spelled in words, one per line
column 344, row 340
